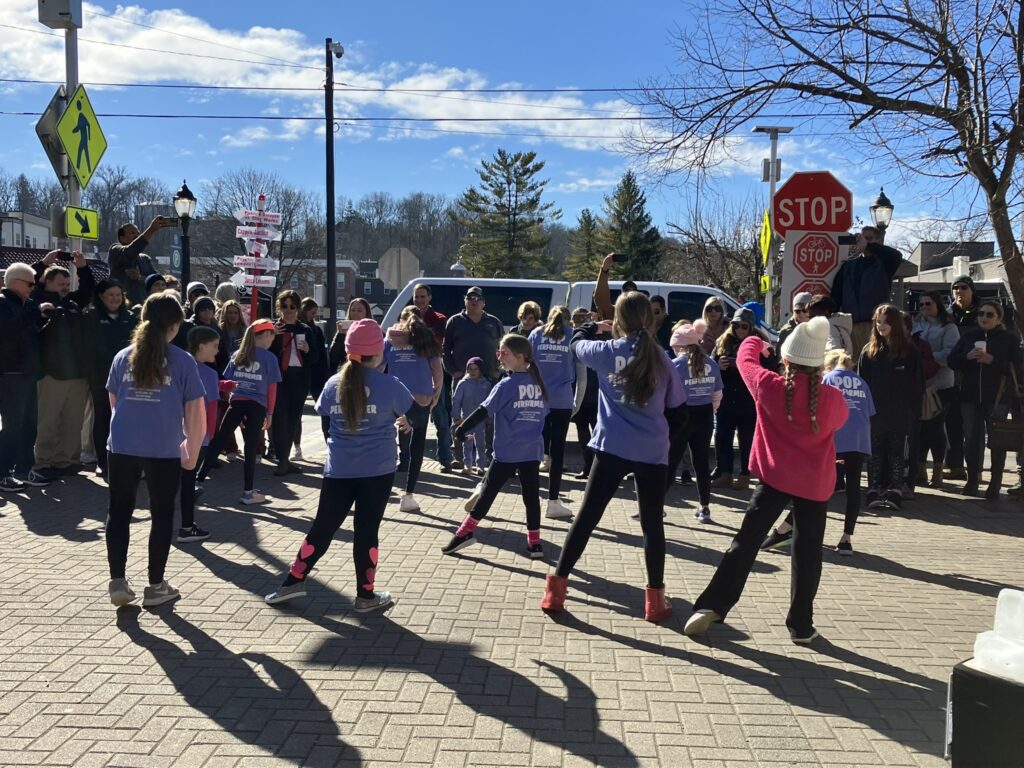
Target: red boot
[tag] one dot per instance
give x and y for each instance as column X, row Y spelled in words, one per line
column 554, row 593
column 658, row 606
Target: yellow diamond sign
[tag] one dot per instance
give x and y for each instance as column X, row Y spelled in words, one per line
column 80, row 135
column 765, row 239
column 83, row 223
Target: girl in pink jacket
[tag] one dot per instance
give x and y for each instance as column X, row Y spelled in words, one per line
column 794, row 455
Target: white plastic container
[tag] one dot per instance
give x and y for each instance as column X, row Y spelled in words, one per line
column 999, row 656
column 1010, row 615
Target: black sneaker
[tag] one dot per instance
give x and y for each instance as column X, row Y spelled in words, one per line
column 457, row 543
column 456, row 464
column 194, row 533
column 1016, row 491
column 11, row 484
column 40, row 478
column 535, row 551
column 875, row 500
column 685, row 479
column 446, row 469
column 845, row 548
column 776, row 540
column 892, row 500
column 583, row 475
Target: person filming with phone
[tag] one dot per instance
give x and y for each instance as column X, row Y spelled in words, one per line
column 128, row 264
column 602, row 292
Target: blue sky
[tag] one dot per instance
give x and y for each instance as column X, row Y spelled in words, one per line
column 455, row 44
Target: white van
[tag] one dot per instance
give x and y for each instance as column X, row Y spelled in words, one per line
column 683, row 302
column 502, row 296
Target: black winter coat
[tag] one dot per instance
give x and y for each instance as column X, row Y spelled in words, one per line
column 105, row 337
column 736, row 398
column 979, row 383
column 20, row 322
column 864, row 282
column 897, row 386
column 64, row 354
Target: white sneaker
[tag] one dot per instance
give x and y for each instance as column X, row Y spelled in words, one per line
column 474, row 497
column 409, row 503
column 557, row 510
column 545, row 465
column 297, row 454
column 121, row 592
column 700, row 622
column 252, row 497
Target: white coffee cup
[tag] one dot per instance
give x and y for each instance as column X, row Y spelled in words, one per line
column 981, row 346
column 300, row 338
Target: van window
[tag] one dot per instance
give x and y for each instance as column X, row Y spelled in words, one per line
column 502, row 301
column 688, row 305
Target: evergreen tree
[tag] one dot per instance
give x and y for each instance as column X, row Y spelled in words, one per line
column 504, row 218
column 585, row 255
column 628, row 230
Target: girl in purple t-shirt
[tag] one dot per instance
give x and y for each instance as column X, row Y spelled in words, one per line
column 641, row 401
column 256, row 374
column 156, row 429
column 518, row 403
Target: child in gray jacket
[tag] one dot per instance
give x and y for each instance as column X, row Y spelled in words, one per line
column 469, row 395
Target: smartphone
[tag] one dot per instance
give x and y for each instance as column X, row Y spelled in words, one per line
column 344, row 325
column 64, row 256
column 618, row 258
column 847, row 239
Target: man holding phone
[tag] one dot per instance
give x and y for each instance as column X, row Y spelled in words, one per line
column 128, row 264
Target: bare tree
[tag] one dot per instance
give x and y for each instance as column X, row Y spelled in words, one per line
column 114, row 193
column 934, row 86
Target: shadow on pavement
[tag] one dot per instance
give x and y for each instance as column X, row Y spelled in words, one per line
column 226, row 687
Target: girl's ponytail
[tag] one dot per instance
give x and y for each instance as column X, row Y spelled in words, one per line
column 352, row 394
column 633, row 317
column 814, row 376
column 558, row 323
column 148, row 358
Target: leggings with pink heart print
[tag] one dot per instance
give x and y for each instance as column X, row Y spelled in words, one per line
column 370, row 496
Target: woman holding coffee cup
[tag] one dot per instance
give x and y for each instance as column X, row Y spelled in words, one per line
column 989, row 359
column 358, row 309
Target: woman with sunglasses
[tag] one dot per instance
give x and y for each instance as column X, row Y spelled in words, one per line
column 295, row 354
column 714, row 316
column 736, row 412
column 934, row 325
column 801, row 314
column 989, row 359
column 964, row 309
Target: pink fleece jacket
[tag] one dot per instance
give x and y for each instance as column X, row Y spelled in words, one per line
column 786, row 455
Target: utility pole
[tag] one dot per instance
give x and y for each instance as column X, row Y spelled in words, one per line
column 332, row 50
column 771, row 173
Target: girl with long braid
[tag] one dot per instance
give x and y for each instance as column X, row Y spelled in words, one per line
column 794, row 455
column 364, row 407
column 641, row 405
column 518, row 403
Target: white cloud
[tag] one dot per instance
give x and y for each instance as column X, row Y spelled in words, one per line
column 584, row 184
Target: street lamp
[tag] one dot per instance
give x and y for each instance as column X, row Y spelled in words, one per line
column 185, row 207
column 881, row 211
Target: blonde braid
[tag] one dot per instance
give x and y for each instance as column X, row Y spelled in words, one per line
column 789, row 393
column 812, row 401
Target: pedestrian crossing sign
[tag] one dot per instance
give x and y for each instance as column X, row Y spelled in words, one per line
column 81, row 136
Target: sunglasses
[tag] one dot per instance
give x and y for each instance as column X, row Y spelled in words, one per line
column 989, row 315
column 742, row 326
column 473, row 297
column 801, row 311
column 713, row 308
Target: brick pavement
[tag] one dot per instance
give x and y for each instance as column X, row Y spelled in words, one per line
column 465, row 670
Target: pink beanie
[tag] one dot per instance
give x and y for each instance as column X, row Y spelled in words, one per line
column 688, row 334
column 364, row 339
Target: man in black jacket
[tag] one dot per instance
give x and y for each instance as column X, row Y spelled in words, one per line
column 128, row 264
column 63, row 390
column 20, row 321
column 864, row 282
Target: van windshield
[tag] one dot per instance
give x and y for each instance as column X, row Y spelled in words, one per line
column 502, row 300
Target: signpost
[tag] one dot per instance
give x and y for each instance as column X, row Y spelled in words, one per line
column 811, row 262
column 83, row 223
column 256, row 228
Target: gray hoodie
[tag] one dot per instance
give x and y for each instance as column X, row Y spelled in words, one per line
column 942, row 339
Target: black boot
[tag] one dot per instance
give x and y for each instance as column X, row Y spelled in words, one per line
column 995, row 482
column 971, row 489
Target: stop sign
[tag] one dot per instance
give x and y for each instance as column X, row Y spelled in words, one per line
column 813, row 287
column 814, row 200
column 815, row 255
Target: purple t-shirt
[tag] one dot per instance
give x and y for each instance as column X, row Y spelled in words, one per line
column 409, row 368
column 627, row 430
column 557, row 366
column 254, row 380
column 518, row 407
column 855, row 434
column 150, row 423
column 211, row 385
column 699, row 390
column 372, row 449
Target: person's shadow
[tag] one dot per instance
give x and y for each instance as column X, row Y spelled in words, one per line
column 228, row 689
column 490, row 689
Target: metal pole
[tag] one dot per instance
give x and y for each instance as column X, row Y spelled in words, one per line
column 186, row 257
column 71, row 76
column 772, row 180
column 332, row 264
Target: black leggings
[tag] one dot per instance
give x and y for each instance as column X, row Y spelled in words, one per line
column 250, row 415
column 585, row 421
column 287, row 418
column 853, row 466
column 162, row 479
column 696, row 435
column 556, row 428
column 885, row 466
column 337, row 496
column 933, row 431
column 731, row 576
column 188, row 492
column 100, row 422
column 412, row 444
column 498, row 473
column 604, row 480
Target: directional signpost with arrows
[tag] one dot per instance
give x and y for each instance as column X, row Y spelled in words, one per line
column 257, row 228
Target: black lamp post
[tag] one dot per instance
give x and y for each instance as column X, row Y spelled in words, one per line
column 881, row 211
column 185, row 207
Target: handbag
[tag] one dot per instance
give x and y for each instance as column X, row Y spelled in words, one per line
column 1006, row 425
column 931, row 404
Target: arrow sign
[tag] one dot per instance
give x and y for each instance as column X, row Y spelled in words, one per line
column 252, row 262
column 83, row 223
column 257, row 233
column 259, row 281
column 257, row 246
column 258, row 217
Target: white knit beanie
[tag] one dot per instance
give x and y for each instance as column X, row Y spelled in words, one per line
column 806, row 344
